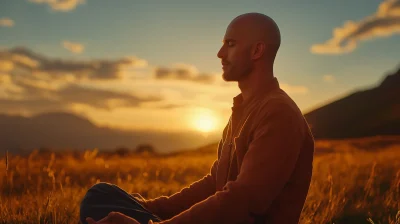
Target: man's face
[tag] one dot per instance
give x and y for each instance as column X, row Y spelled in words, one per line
column 235, row 55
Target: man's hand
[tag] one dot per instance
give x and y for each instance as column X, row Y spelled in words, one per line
column 138, row 197
column 116, row 218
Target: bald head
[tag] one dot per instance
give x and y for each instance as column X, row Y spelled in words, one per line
column 251, row 43
column 255, row 28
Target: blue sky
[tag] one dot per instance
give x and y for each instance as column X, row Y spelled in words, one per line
column 164, row 33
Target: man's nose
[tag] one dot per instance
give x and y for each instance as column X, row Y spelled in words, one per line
column 219, row 54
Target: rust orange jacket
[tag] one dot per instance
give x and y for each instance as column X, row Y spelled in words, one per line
column 263, row 170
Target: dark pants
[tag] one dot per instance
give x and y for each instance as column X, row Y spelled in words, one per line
column 103, row 198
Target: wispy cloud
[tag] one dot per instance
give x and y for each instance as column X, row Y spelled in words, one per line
column 329, row 78
column 32, row 83
column 21, row 91
column 183, row 72
column 76, row 48
column 60, row 5
column 27, row 61
column 6, row 65
column 171, row 106
column 6, row 22
column 384, row 23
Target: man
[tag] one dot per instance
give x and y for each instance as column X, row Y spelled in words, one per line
column 265, row 156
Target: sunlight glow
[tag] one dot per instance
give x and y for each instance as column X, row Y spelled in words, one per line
column 204, row 121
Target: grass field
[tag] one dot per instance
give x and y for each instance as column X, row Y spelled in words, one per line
column 354, row 181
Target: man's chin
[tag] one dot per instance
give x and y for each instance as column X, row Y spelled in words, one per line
column 230, row 80
column 226, row 77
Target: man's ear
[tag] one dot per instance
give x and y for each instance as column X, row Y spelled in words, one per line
column 259, row 50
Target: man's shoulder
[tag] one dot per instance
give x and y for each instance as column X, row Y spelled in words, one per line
column 278, row 101
column 278, row 108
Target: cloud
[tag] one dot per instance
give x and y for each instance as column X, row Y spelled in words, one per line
column 384, row 23
column 24, row 60
column 183, row 72
column 31, row 106
column 35, row 98
column 171, row 106
column 32, row 83
column 7, row 88
column 6, row 66
column 329, row 78
column 76, row 48
column 6, row 22
column 60, row 5
column 102, row 99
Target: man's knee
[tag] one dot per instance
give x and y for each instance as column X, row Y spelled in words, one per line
column 95, row 193
column 102, row 187
column 98, row 190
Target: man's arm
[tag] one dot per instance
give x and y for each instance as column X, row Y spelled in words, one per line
column 266, row 168
column 167, row 207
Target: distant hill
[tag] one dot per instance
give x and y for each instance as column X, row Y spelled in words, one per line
column 365, row 113
column 68, row 131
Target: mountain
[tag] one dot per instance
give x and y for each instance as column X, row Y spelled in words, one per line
column 68, row 131
column 370, row 112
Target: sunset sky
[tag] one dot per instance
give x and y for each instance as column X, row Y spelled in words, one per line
column 153, row 65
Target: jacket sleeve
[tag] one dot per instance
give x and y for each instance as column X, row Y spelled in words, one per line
column 166, row 207
column 266, row 168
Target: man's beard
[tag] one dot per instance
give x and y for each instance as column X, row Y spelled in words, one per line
column 234, row 76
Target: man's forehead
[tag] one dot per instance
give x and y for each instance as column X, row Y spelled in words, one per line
column 231, row 34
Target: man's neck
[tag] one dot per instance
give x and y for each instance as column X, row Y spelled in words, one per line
column 253, row 84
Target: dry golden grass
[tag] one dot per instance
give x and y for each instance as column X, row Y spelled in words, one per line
column 354, row 181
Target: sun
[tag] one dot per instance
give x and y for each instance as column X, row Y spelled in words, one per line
column 204, row 122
